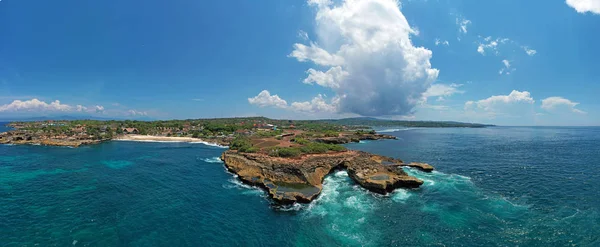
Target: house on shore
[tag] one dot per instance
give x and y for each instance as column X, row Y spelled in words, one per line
column 130, row 131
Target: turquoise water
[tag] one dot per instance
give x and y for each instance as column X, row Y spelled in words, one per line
column 495, row 186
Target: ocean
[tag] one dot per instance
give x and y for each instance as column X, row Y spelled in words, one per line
column 498, row 186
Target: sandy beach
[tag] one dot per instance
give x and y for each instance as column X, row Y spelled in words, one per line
column 149, row 138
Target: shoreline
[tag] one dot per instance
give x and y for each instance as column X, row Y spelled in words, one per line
column 149, row 138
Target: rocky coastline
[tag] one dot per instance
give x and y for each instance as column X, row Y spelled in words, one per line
column 348, row 138
column 290, row 180
column 22, row 138
column 290, row 166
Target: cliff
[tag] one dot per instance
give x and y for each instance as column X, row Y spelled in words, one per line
column 289, row 180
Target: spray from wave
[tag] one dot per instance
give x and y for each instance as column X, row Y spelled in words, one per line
column 213, row 160
column 345, row 208
column 394, row 130
column 210, row 144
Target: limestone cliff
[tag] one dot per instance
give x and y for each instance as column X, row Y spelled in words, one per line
column 290, row 180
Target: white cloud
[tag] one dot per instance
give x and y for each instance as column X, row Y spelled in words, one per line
column 583, row 6
column 34, row 105
column 316, row 54
column 317, row 104
column 331, row 78
column 462, row 24
column 264, row 99
column 491, row 45
column 99, row 108
column 440, row 42
column 303, row 35
column 496, row 103
column 529, row 52
column 556, row 103
column 81, row 108
column 372, row 65
column 506, row 70
column 441, row 91
column 480, row 49
column 137, row 113
column 435, row 107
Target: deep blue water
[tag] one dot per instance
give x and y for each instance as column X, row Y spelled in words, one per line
column 502, row 186
column 3, row 127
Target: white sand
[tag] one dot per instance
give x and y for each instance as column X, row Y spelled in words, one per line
column 148, row 138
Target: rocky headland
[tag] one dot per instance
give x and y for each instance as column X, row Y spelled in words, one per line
column 348, row 138
column 289, row 180
column 24, row 138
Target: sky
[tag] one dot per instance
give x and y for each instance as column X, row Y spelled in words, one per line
column 508, row 62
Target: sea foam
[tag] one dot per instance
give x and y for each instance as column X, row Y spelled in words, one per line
column 213, row 160
column 394, row 130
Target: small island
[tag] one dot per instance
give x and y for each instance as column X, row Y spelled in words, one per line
column 287, row 158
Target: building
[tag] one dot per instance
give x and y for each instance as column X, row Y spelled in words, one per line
column 130, row 131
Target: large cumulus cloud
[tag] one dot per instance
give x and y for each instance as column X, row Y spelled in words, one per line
column 363, row 52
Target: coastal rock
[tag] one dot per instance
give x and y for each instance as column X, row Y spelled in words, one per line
column 25, row 139
column 347, row 138
column 289, row 180
column 421, row 166
column 371, row 172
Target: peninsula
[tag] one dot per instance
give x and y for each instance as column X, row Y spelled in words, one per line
column 287, row 158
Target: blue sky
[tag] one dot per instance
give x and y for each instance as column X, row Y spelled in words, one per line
column 506, row 62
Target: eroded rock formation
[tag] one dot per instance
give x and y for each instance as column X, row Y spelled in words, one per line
column 290, row 180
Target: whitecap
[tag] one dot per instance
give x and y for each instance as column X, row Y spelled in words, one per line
column 235, row 183
column 213, row 160
column 388, row 130
column 341, row 173
column 288, row 208
column 394, row 130
column 400, row 195
column 209, row 144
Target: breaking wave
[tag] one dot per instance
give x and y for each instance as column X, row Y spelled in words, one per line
column 210, row 144
column 394, row 130
column 192, row 142
column 213, row 160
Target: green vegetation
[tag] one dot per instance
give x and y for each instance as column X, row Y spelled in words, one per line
column 241, row 144
column 363, row 132
column 300, row 140
column 241, row 130
column 285, row 152
column 319, row 148
column 308, row 148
